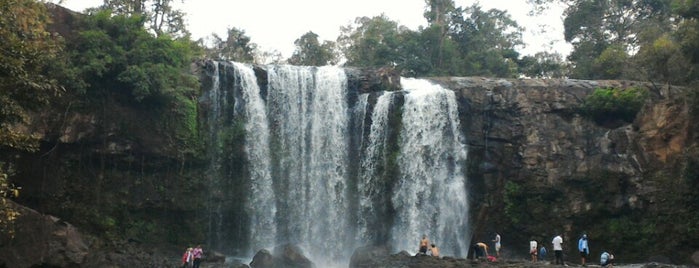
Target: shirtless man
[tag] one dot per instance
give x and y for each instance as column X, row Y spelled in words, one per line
column 434, row 250
column 423, row 244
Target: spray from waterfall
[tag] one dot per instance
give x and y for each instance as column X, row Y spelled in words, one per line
column 330, row 176
column 430, row 196
column 261, row 206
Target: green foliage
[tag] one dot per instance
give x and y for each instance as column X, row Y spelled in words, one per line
column 26, row 51
column 310, row 52
column 8, row 214
column 611, row 63
column 120, row 62
column 543, row 65
column 609, row 104
column 161, row 17
column 236, row 47
column 458, row 42
column 371, row 42
column 513, row 208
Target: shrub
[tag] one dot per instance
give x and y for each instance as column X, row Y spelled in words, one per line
column 608, row 105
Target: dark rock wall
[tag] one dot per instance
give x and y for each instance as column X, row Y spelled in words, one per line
column 537, row 167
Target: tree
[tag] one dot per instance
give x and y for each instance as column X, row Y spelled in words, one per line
column 236, row 47
column 371, row 42
column 438, row 15
column 543, row 65
column 310, row 52
column 161, row 17
column 26, row 84
column 610, row 27
column 487, row 40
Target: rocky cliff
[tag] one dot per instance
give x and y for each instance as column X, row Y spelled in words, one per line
column 536, row 167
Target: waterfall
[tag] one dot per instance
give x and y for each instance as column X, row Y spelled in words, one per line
column 261, row 206
column 372, row 162
column 330, row 175
column 309, row 108
column 430, row 197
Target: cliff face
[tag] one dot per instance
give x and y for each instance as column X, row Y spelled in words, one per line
column 537, row 168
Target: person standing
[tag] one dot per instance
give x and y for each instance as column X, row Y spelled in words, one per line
column 558, row 249
column 542, row 253
column 533, row 249
column 197, row 254
column 424, row 242
column 187, row 258
column 497, row 245
column 583, row 248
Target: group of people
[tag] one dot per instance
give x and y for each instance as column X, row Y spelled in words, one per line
column 423, row 249
column 480, row 249
column 606, row 258
column 192, row 257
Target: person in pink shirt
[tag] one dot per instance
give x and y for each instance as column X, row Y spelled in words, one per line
column 197, row 255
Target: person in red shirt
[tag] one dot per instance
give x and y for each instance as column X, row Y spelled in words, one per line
column 187, row 258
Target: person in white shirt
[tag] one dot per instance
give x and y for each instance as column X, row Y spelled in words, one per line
column 558, row 248
column 533, row 249
column 497, row 245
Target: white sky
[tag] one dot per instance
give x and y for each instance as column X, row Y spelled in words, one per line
column 275, row 24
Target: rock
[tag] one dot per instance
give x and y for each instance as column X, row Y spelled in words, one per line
column 41, row 241
column 214, row 256
column 291, row 256
column 263, row 259
column 695, row 257
column 365, row 256
column 288, row 255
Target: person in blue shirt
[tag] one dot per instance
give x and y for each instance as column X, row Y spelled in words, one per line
column 583, row 248
column 542, row 253
column 606, row 259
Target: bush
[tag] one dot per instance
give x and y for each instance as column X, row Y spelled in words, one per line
column 608, row 105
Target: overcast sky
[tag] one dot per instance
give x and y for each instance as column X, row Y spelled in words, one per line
column 275, row 24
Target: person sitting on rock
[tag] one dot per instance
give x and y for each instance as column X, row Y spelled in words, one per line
column 434, row 251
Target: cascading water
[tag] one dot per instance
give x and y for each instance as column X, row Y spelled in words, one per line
column 261, row 206
column 311, row 117
column 430, row 197
column 406, row 178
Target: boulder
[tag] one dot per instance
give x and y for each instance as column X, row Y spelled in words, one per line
column 289, row 255
column 263, row 259
column 41, row 241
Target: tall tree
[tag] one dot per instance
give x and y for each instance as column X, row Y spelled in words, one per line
column 371, row 41
column 237, row 46
column 161, row 17
column 27, row 51
column 600, row 30
column 309, row 51
column 438, row 14
column 487, row 40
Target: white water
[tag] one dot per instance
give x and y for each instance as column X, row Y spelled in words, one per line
column 430, row 197
column 368, row 186
column 261, row 206
column 297, row 144
column 311, row 112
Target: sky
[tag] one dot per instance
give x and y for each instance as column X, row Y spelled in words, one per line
column 275, row 24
